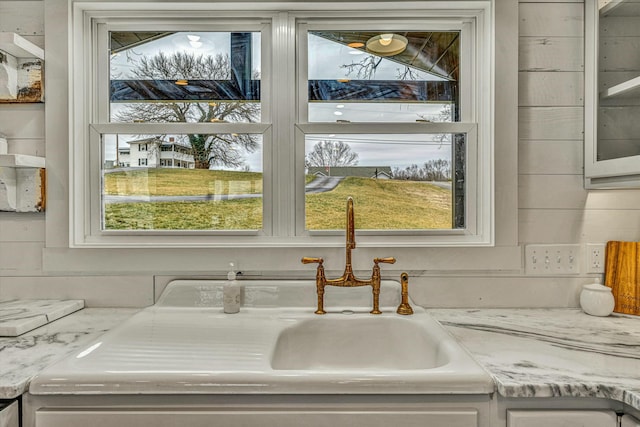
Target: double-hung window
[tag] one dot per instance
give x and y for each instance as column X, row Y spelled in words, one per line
column 215, row 126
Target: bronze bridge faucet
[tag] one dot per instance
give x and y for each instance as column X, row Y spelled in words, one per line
column 348, row 279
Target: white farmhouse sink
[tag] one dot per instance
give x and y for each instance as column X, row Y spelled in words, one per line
column 185, row 344
column 360, row 343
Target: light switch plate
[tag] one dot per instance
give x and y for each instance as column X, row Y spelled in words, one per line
column 552, row 260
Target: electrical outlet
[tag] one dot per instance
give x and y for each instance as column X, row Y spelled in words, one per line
column 595, row 257
column 550, row 260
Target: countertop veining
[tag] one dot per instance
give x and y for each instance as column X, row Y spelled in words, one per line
column 23, row 357
column 528, row 352
column 20, row 316
column 552, row 352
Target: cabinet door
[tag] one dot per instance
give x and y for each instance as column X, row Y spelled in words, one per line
column 612, row 94
column 9, row 414
column 629, row 421
column 561, row 418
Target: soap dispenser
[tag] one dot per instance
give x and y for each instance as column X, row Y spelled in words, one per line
column 231, row 292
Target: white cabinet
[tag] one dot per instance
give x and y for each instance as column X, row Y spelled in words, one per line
column 265, row 418
column 629, row 421
column 9, row 414
column 263, row 410
column 279, row 416
column 561, row 418
column 612, row 94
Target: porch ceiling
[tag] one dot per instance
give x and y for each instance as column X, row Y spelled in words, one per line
column 436, row 53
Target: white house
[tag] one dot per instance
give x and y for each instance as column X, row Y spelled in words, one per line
column 154, row 152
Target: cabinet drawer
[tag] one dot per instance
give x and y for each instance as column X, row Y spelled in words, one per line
column 561, row 418
column 279, row 418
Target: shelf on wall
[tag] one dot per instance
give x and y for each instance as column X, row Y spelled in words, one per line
column 22, row 183
column 18, row 46
column 630, row 88
column 620, row 8
column 21, row 161
column 21, row 78
column 607, row 7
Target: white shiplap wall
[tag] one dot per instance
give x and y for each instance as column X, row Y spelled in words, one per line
column 553, row 205
column 22, row 235
column 550, row 96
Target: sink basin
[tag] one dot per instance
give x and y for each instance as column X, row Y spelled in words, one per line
column 357, row 343
column 185, row 344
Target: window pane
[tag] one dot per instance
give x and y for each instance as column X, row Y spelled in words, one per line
column 353, row 80
column 163, row 77
column 161, row 182
column 398, row 182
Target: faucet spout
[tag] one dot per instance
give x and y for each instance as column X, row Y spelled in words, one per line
column 351, row 239
column 351, row 228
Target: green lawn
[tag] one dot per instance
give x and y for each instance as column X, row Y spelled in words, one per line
column 379, row 204
column 181, row 182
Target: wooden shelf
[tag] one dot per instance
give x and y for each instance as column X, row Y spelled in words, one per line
column 630, row 88
column 23, row 183
column 21, row 161
column 17, row 46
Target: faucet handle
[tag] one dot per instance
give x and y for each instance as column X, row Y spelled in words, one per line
column 390, row 260
column 308, row 260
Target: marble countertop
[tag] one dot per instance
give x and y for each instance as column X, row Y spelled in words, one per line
column 20, row 316
column 528, row 352
column 552, row 352
column 23, row 357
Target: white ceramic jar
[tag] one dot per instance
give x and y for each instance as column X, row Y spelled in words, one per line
column 597, row 299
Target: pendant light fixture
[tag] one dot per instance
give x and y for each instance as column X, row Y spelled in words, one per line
column 388, row 44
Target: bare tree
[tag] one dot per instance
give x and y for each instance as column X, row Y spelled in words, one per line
column 207, row 149
column 432, row 170
column 437, row 170
column 365, row 68
column 330, row 153
column 407, row 73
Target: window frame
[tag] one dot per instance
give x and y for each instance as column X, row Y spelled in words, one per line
column 93, row 97
column 283, row 199
column 475, row 200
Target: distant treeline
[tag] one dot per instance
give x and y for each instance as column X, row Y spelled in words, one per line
column 433, row 170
